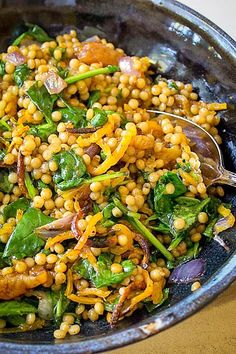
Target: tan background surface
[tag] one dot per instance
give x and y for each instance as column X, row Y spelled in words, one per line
column 213, row 329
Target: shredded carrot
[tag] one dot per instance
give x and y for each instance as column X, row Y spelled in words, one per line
column 115, row 157
column 94, row 291
column 69, row 286
column 92, row 222
column 107, row 129
column 229, row 222
column 216, row 106
column 157, row 294
column 146, row 293
column 189, row 180
column 222, row 210
column 58, row 239
column 84, row 299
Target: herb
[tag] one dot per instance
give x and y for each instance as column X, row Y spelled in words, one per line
column 71, row 169
column 63, row 73
column 60, row 304
column 150, row 306
column 42, row 99
column 3, row 262
column 108, row 218
column 75, row 115
column 107, row 70
column 13, row 307
column 104, row 276
column 2, row 68
column 4, row 126
column 209, row 231
column 21, row 74
column 93, row 97
column 186, row 167
column 24, row 242
column 43, row 130
column 35, row 32
column 172, row 84
column 2, row 154
column 100, row 117
column 5, row 185
column 138, row 225
column 109, row 306
column 10, row 210
column 52, row 305
column 41, row 185
column 163, row 201
column 191, row 253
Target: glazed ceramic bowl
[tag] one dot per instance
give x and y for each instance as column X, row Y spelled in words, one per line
column 189, row 48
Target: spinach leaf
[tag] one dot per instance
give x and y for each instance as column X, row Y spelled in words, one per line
column 42, row 99
column 150, row 306
column 23, row 242
column 100, row 117
column 35, row 32
column 41, row 185
column 21, row 74
column 5, row 185
column 13, row 307
column 2, row 68
column 52, row 305
column 103, row 276
column 4, row 125
column 75, row 115
column 71, row 169
column 32, row 191
column 10, row 210
column 43, row 130
column 188, row 212
column 209, row 231
column 3, row 262
column 15, row 320
column 163, row 202
column 63, row 73
column 186, row 167
column 93, row 97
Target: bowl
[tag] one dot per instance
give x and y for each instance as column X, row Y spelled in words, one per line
column 189, row 48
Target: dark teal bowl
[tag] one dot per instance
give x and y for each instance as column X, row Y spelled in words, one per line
column 191, row 49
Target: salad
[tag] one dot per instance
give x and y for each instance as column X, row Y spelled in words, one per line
column 100, row 199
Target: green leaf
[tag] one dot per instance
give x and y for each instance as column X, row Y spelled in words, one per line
column 93, row 97
column 32, row 191
column 172, row 84
column 150, row 306
column 3, row 262
column 191, row 253
column 162, row 201
column 2, row 68
column 100, row 117
column 35, row 32
column 4, row 126
column 75, row 115
column 21, row 74
column 71, row 169
column 109, row 306
column 41, row 185
column 13, row 307
column 209, row 231
column 186, row 167
column 5, row 185
column 10, row 210
column 60, row 304
column 43, row 130
column 52, row 305
column 2, row 154
column 103, row 276
column 15, row 320
column 23, row 242
column 42, row 99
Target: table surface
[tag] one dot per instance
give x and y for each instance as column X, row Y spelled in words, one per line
column 212, row 330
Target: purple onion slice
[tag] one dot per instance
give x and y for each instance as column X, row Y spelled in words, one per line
column 188, row 272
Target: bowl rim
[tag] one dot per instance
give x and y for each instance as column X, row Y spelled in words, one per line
column 219, row 281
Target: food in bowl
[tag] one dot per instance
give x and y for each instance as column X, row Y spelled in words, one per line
column 101, row 199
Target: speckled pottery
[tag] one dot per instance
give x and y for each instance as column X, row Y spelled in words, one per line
column 189, row 48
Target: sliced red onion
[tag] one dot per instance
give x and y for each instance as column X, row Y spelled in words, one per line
column 55, row 227
column 92, row 39
column 126, row 65
column 54, row 83
column 16, row 58
column 188, row 272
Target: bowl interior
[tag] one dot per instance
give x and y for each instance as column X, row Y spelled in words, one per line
column 178, row 40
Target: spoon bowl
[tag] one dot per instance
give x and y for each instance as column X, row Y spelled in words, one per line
column 207, row 149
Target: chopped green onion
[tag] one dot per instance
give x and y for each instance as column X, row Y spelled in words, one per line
column 107, row 70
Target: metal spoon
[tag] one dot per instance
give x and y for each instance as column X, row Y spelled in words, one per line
column 207, row 149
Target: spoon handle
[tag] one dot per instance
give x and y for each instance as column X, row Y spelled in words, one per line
column 227, row 177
